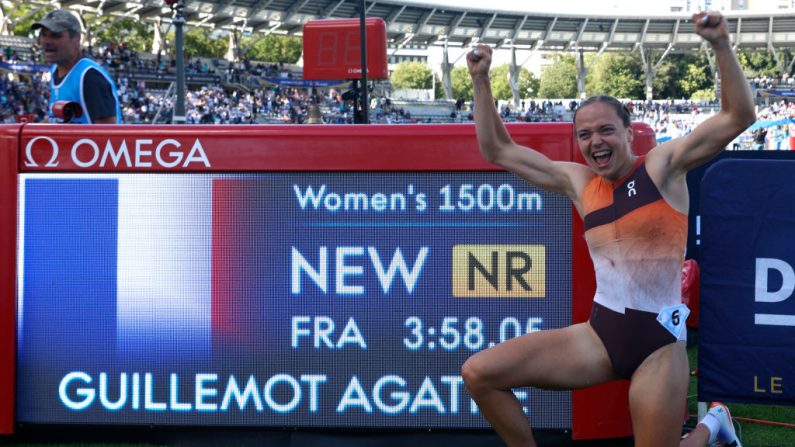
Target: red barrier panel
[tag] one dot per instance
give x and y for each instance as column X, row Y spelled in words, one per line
column 9, row 149
column 599, row 412
column 691, row 290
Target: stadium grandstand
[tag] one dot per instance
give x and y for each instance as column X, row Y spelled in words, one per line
column 231, row 90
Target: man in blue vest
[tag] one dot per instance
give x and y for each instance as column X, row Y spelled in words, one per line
column 75, row 80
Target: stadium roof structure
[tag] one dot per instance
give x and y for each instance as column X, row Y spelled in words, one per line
column 425, row 24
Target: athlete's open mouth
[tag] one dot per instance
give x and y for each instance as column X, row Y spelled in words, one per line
column 602, row 158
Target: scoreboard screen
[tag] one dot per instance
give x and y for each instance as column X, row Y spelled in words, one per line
column 303, row 299
column 333, row 49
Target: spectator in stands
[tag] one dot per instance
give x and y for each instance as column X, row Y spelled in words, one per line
column 635, row 213
column 74, row 78
column 760, row 135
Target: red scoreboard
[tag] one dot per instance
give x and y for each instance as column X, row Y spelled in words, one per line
column 333, row 49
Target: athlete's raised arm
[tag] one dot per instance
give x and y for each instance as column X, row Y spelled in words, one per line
column 498, row 147
column 736, row 112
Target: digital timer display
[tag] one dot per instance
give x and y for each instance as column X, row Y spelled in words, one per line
column 333, row 49
column 307, row 299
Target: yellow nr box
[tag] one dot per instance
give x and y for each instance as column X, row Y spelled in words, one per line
column 499, row 271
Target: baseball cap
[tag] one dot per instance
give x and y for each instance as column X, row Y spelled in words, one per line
column 58, row 21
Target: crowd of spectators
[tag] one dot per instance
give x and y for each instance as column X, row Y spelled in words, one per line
column 776, row 122
column 775, row 129
column 785, row 81
column 243, row 96
column 671, row 119
column 121, row 59
column 26, row 99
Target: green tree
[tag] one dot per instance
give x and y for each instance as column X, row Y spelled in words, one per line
column 529, row 84
column 199, row 43
column 662, row 84
column 271, row 48
column 617, row 74
column 438, row 88
column 462, row 83
column 135, row 35
column 695, row 77
column 559, row 80
column 759, row 63
column 22, row 15
column 707, row 94
column 671, row 70
column 501, row 86
column 412, row 75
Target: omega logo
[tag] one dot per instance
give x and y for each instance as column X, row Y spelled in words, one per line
column 31, row 163
column 86, row 153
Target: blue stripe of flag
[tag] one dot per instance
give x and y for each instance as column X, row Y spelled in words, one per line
column 70, row 263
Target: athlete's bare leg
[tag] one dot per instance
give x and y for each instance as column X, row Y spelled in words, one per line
column 557, row 359
column 657, row 397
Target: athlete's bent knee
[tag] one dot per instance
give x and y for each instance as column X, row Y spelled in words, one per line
column 475, row 374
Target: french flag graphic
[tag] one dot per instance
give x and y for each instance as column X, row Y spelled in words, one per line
column 133, row 266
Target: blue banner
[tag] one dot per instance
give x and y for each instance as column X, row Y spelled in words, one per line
column 770, row 123
column 24, row 67
column 304, row 83
column 191, row 78
column 789, row 93
column 747, row 333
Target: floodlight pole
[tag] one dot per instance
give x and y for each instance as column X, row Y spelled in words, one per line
column 363, row 33
column 179, row 22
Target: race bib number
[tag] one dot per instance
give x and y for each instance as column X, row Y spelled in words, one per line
column 673, row 319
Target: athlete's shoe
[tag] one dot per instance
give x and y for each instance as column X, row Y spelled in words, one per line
column 726, row 432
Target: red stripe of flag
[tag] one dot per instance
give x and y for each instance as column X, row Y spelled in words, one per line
column 230, row 222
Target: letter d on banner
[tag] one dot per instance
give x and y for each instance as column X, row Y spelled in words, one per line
column 762, row 293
